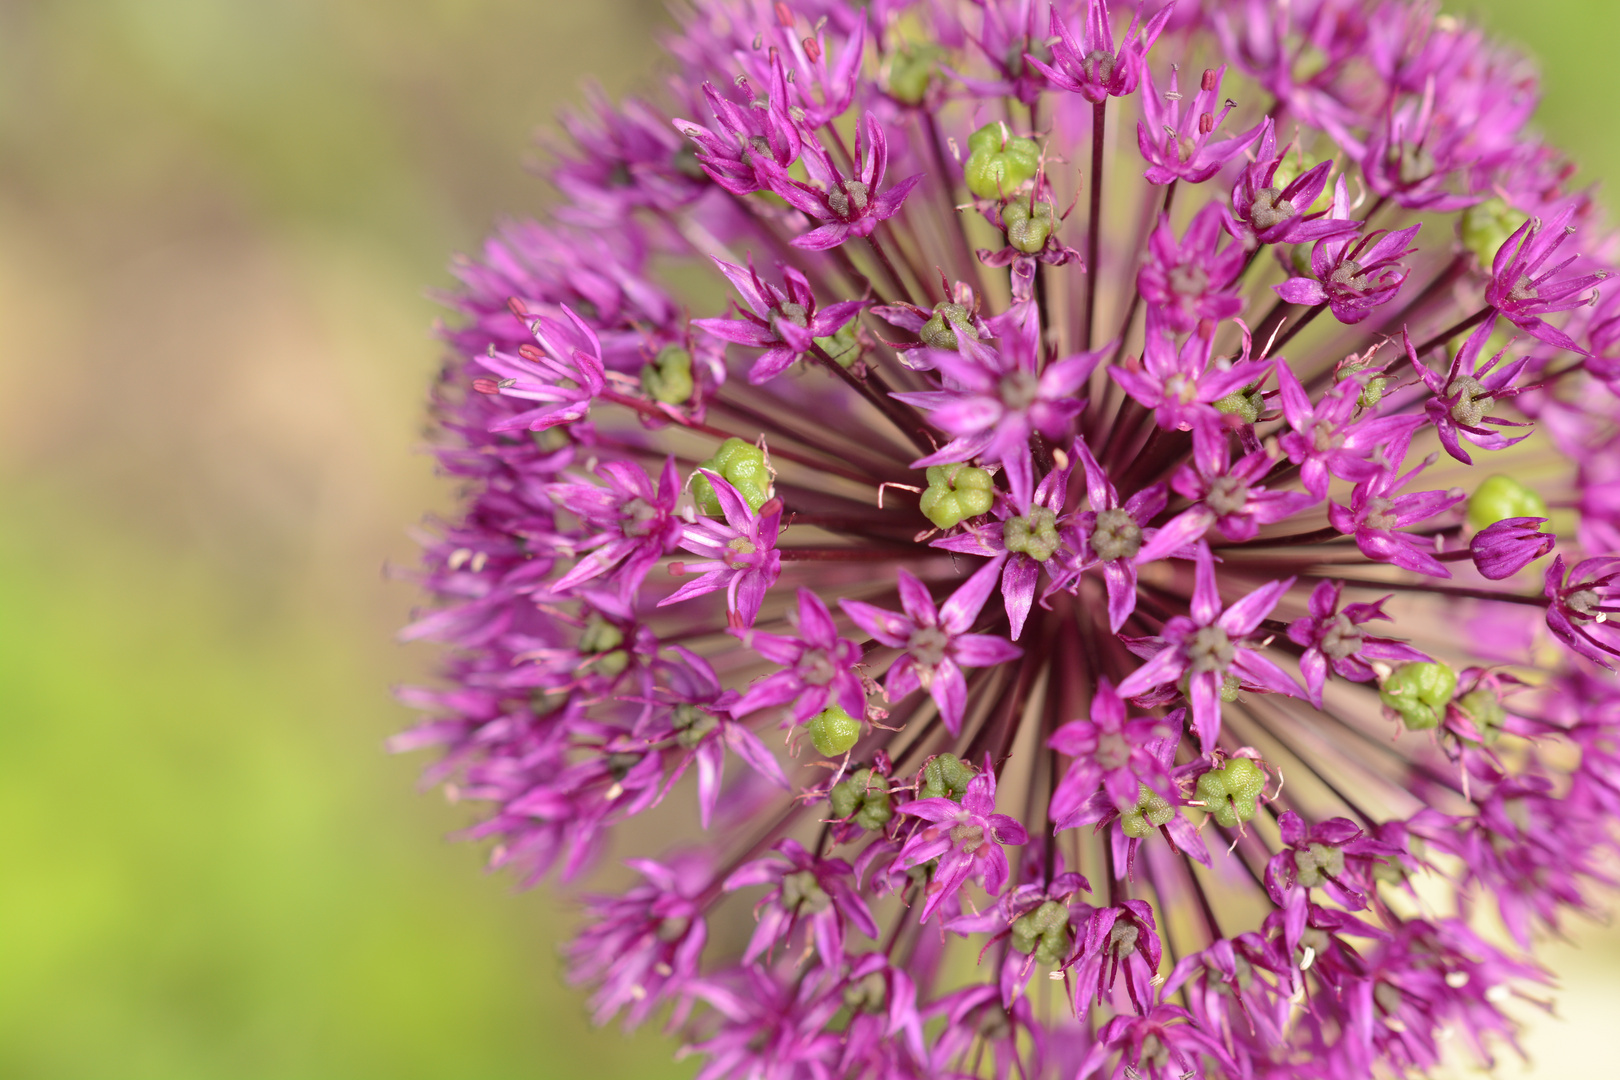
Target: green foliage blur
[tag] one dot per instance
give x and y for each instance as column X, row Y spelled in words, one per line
column 217, row 221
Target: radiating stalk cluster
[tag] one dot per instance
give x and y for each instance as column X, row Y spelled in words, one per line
column 1121, row 588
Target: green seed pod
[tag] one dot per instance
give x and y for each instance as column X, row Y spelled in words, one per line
column 1044, row 932
column 1291, row 168
column 842, row 345
column 948, row 320
column 833, row 731
column 910, row 71
column 1499, row 497
column 1486, row 226
column 669, row 377
column 864, row 798
column 1419, row 693
column 1230, row 794
column 945, row 777
column 1246, row 403
column 1299, row 257
column 956, row 492
column 743, row 466
column 1151, row 811
column 1028, row 231
column 1035, row 536
column 1318, row 862
column 1484, row 708
column 999, row 162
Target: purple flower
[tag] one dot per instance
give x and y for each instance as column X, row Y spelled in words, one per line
column 1376, row 512
column 1466, row 392
column 1333, row 639
column 1327, row 439
column 1579, row 607
column 1110, row 753
column 936, row 642
column 1350, row 275
column 636, row 525
column 1110, row 534
column 1335, row 856
column 1175, row 151
column 1090, row 65
column 997, row 401
column 1264, row 214
column 1182, row 385
column 1192, row 281
column 966, row 837
column 1523, row 292
column 1504, row 548
column 741, row 554
column 805, row 890
column 748, row 134
column 564, row 374
column 819, row 667
column 702, row 728
column 783, row 322
column 591, row 380
column 1225, row 494
column 640, row 949
column 851, row 205
column 1211, row 647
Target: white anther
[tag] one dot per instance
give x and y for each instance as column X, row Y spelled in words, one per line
column 1310, row 958
column 1457, row 979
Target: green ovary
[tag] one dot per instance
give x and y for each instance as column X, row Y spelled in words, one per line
column 1499, row 497
column 1230, row 794
column 998, row 162
column 955, row 493
column 1419, row 693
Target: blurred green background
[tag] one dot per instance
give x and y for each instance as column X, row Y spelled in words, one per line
column 217, row 219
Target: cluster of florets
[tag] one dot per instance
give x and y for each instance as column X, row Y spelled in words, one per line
column 1022, row 582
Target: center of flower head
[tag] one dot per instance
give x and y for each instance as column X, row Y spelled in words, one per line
column 1098, row 65
column 1379, row 515
column 850, row 202
column 816, row 667
column 1523, row 289
column 802, row 893
column 1341, row 638
column 1349, row 275
column 1209, row 649
column 969, row 838
column 1188, row 279
column 1227, row 495
column 1122, row 938
column 1113, row 752
column 1269, row 210
column 1019, row 390
column 1117, row 535
column 742, row 545
column 1318, row 863
column 1583, row 602
column 791, row 313
column 1179, row 387
column 639, row 517
column 927, row 646
column 1471, row 400
column 1325, row 437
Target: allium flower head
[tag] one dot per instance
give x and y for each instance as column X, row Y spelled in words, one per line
column 1016, row 636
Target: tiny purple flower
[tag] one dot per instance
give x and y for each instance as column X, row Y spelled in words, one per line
column 741, row 554
column 965, row 837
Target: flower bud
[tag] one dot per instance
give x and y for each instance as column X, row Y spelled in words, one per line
column 956, row 492
column 742, row 465
column 1230, row 793
column 999, row 162
column 1419, row 692
column 833, row 731
column 1499, row 497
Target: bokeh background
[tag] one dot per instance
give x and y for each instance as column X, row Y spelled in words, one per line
column 218, row 222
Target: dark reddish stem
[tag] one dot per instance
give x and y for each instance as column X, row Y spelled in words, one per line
column 1094, row 231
